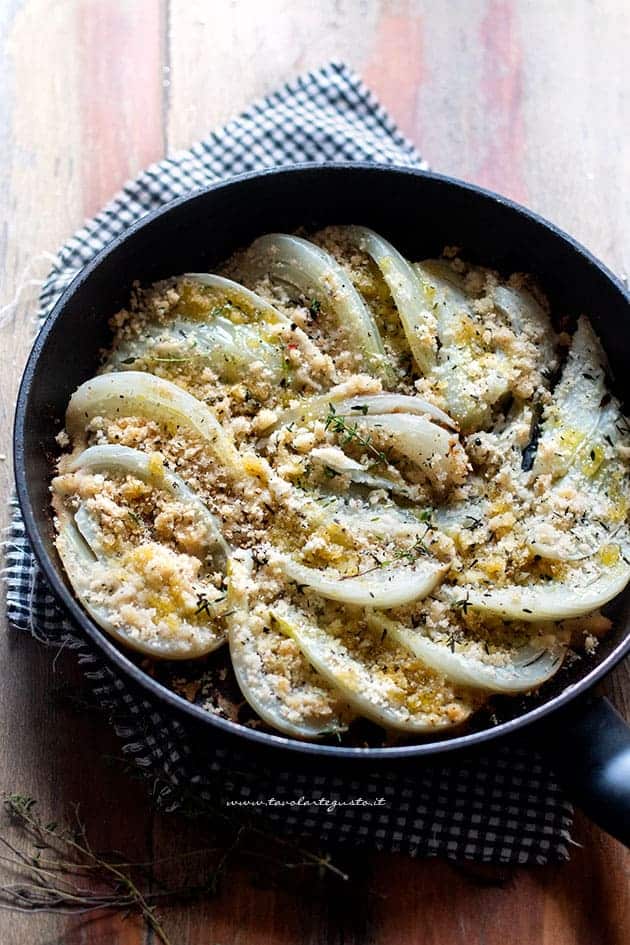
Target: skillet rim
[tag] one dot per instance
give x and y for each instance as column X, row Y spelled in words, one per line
column 116, row 656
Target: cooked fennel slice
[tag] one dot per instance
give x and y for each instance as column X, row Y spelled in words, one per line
column 145, row 595
column 584, row 512
column 516, row 303
column 386, row 522
column 526, row 316
column 516, row 668
column 133, row 602
column 241, row 296
column 150, row 468
column 236, row 328
column 90, row 531
column 336, row 400
column 258, row 308
column 131, row 393
column 317, row 275
column 553, row 601
column 379, row 679
column 573, row 416
column 390, row 585
column 332, row 458
column 549, row 542
column 414, row 297
column 227, row 348
column 436, row 452
column 473, row 377
column 272, row 673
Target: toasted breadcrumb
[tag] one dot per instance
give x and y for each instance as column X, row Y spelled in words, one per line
column 338, row 493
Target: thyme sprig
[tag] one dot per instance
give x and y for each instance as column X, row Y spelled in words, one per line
column 61, row 871
column 151, row 357
column 314, row 307
column 350, row 433
column 57, row 869
column 411, row 555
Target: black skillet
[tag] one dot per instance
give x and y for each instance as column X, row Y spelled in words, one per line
column 421, row 213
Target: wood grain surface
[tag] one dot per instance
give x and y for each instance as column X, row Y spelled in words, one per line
column 531, row 99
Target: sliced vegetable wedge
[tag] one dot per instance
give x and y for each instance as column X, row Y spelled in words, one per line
column 390, row 585
column 286, row 693
column 317, row 275
column 131, row 393
column 553, row 601
column 149, row 467
column 414, row 297
column 519, row 668
column 227, row 348
column 436, row 452
column 378, row 677
column 334, row 460
column 527, row 316
column 101, row 586
column 257, row 308
column 312, row 408
column 574, row 414
column 471, row 375
column 145, row 595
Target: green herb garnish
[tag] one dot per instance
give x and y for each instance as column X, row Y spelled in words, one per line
column 204, row 605
column 350, row 433
column 462, row 604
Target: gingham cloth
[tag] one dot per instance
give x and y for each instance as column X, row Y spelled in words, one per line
column 505, row 806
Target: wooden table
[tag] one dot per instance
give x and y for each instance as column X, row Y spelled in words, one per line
column 532, row 100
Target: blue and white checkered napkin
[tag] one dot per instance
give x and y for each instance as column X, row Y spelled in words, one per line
column 504, row 807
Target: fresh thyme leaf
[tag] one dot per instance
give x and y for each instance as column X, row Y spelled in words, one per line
column 350, row 433
column 462, row 604
column 129, row 361
column 171, row 360
column 314, row 307
column 204, row 605
column 453, row 638
column 538, row 657
column 471, row 523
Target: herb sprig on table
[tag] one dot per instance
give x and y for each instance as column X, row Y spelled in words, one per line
column 56, row 869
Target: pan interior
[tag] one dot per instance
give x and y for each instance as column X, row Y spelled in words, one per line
column 420, row 213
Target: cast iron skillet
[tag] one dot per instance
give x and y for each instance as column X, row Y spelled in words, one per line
column 420, row 213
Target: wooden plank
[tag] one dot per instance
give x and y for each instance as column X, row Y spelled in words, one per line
column 81, row 103
column 221, row 60
column 122, row 95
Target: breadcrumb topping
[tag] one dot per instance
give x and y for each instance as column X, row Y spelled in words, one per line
column 522, row 488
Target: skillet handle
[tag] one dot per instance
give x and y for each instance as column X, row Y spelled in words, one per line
column 590, row 751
